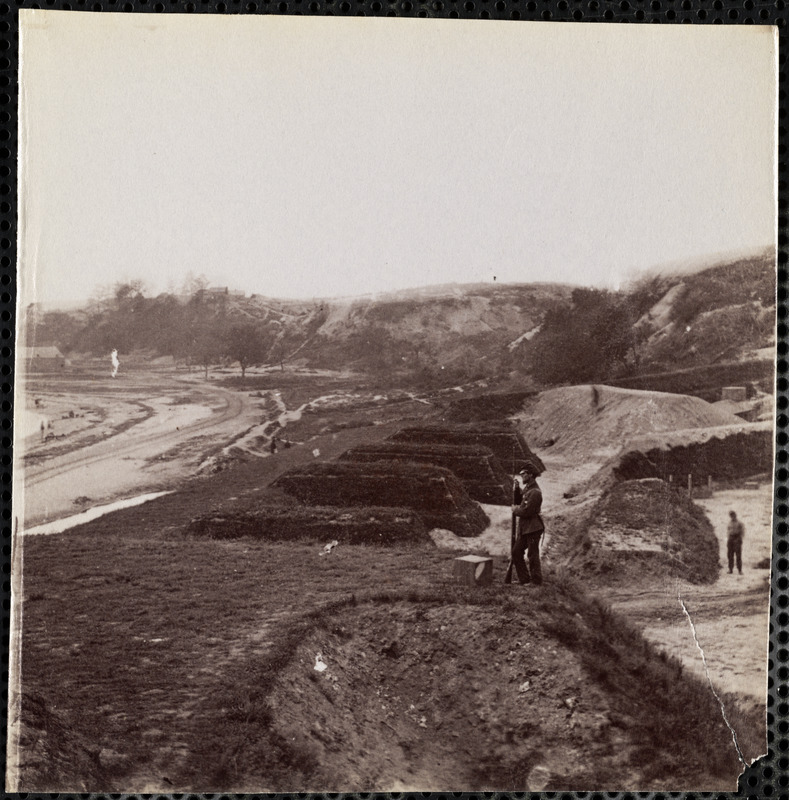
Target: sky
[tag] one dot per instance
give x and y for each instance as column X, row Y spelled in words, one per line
column 313, row 157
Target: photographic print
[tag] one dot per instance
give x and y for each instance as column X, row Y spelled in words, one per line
column 394, row 404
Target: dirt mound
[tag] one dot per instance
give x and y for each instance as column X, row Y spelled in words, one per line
column 384, row 526
column 728, row 453
column 434, row 493
column 479, row 470
column 503, row 438
column 454, row 697
column 646, row 527
column 583, row 420
column 532, row 691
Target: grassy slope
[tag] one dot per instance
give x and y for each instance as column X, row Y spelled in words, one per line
column 165, row 649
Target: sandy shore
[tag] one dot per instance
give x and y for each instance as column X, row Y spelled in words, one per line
column 116, row 449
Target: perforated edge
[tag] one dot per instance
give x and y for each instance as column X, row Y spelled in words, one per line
column 768, row 777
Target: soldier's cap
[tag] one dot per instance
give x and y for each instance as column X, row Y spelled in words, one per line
column 530, row 469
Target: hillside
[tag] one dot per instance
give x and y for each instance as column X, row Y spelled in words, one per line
column 720, row 313
column 452, row 332
column 448, row 334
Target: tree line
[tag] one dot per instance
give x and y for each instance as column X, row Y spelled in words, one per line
column 588, row 335
column 199, row 332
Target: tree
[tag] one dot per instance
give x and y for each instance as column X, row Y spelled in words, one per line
column 52, row 327
column 245, row 344
column 129, row 292
column 205, row 347
column 585, row 340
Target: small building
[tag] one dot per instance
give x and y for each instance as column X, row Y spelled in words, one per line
column 736, row 394
column 42, row 359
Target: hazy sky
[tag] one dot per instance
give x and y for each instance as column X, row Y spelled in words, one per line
column 301, row 157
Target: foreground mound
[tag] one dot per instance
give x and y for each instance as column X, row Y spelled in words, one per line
column 434, row 493
column 384, row 526
column 450, row 691
column 579, row 420
column 478, row 469
column 54, row 752
column 647, row 527
column 502, row 438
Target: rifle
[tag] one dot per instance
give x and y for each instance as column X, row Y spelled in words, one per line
column 513, row 533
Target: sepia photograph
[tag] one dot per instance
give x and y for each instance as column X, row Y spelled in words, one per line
column 394, row 404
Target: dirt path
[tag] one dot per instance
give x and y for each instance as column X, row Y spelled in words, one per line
column 256, row 440
column 126, row 462
column 730, row 617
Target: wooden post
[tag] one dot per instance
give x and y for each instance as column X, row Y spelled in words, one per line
column 690, row 484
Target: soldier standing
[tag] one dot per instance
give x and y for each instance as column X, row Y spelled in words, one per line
column 530, row 528
column 734, row 536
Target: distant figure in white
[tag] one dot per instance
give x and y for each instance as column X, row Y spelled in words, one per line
column 115, row 363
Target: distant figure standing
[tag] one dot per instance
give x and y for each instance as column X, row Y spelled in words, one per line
column 734, row 536
column 43, row 428
column 530, row 528
column 273, row 445
column 115, row 363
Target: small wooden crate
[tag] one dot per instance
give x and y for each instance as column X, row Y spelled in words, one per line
column 473, row 570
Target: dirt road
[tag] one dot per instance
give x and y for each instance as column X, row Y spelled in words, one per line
column 134, row 459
